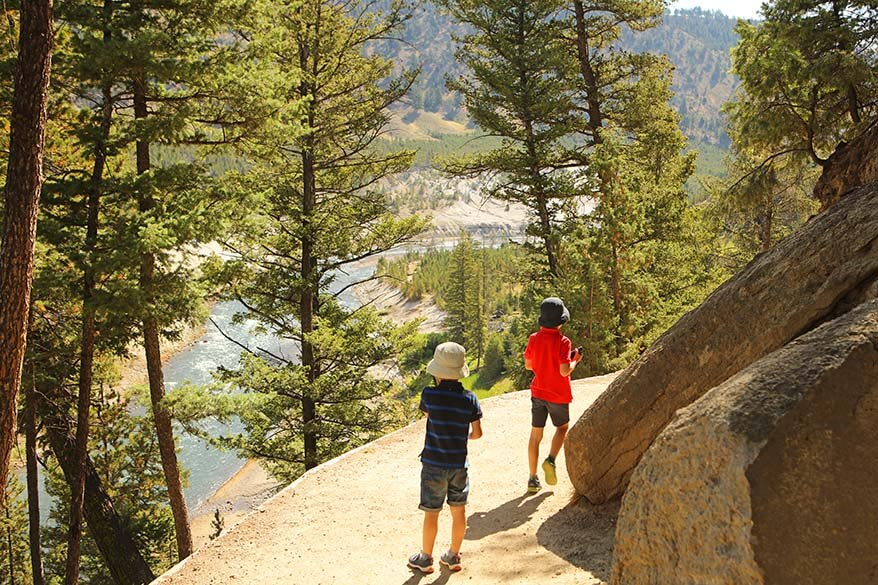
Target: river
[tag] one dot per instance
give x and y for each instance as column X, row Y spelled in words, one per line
column 207, row 466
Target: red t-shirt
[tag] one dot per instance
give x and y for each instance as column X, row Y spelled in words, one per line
column 547, row 349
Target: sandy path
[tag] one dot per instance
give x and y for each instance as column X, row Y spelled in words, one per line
column 355, row 519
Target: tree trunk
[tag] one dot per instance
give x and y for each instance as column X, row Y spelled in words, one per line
column 595, row 117
column 802, row 280
column 109, row 531
column 765, row 228
column 306, row 311
column 310, row 286
column 618, row 300
column 9, row 542
column 22, row 196
column 33, row 495
column 607, row 180
column 86, row 362
column 151, row 342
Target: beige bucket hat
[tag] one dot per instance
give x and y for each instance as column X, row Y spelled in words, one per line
column 449, row 362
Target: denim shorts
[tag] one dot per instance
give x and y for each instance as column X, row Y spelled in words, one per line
column 437, row 483
column 541, row 409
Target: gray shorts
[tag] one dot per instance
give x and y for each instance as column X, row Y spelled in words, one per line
column 439, row 483
column 541, row 409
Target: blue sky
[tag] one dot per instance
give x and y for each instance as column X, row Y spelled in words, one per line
column 736, row 8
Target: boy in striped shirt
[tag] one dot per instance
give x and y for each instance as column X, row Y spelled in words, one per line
column 451, row 411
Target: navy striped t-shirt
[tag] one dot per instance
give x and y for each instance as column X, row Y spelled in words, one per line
column 450, row 409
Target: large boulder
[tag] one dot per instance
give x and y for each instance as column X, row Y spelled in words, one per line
column 769, row 477
column 816, row 273
column 852, row 165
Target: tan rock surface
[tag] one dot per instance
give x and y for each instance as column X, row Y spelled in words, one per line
column 768, row 478
column 778, row 296
column 355, row 519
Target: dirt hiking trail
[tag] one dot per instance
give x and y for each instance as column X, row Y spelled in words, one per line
column 355, row 519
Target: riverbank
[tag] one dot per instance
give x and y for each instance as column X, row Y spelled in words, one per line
column 133, row 369
column 252, row 485
column 240, row 495
column 391, row 303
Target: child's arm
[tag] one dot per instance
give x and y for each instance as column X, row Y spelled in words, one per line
column 528, row 365
column 567, row 367
column 476, row 431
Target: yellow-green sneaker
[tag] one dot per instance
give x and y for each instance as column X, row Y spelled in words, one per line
column 549, row 470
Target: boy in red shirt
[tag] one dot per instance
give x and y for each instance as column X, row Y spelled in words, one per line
column 549, row 357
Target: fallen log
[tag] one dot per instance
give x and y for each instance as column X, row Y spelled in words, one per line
column 807, row 278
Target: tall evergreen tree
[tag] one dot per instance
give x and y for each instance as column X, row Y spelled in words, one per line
column 152, row 72
column 809, row 78
column 14, row 565
column 631, row 150
column 517, row 87
column 319, row 212
column 464, row 298
column 21, row 202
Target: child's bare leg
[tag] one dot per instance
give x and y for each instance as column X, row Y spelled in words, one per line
column 431, row 527
column 558, row 440
column 533, row 448
column 458, row 527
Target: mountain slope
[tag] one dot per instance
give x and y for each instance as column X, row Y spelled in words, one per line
column 696, row 41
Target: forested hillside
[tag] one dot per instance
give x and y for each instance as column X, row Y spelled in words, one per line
column 696, row 41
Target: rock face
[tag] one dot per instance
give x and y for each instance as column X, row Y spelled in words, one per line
column 804, row 280
column 769, row 477
column 852, row 165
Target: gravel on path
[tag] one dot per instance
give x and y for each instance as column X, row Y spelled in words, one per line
column 355, row 519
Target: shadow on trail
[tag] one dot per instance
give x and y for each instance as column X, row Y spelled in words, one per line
column 418, row 576
column 582, row 534
column 510, row 515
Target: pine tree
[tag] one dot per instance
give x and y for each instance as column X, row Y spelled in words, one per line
column 631, row 156
column 319, row 210
column 761, row 202
column 172, row 73
column 218, row 525
column 808, row 78
column 459, row 297
column 21, row 202
column 517, row 87
column 14, row 561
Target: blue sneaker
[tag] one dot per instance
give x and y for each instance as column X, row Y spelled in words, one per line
column 450, row 560
column 421, row 562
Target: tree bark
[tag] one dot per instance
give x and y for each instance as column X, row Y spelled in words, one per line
column 801, row 281
column 152, row 344
column 308, row 61
column 306, row 311
column 595, row 117
column 86, row 361
column 22, row 196
column 33, row 494
column 110, row 532
column 607, row 180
